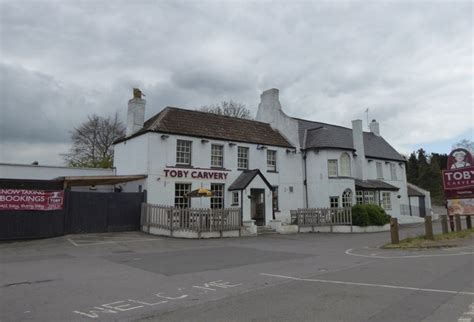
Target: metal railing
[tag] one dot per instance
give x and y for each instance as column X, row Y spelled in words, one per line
column 314, row 217
column 190, row 219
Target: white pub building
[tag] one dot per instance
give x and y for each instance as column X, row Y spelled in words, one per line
column 266, row 166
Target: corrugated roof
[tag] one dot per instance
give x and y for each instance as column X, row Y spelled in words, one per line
column 175, row 120
column 322, row 135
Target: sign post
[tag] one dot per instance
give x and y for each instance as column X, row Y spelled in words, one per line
column 458, row 185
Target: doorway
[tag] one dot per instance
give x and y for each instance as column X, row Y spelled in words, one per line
column 257, row 206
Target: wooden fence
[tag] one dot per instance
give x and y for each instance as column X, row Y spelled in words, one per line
column 197, row 220
column 316, row 217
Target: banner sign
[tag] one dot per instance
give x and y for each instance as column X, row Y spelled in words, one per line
column 22, row 199
column 458, row 180
column 460, row 207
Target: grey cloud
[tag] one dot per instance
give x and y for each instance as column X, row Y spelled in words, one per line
column 409, row 62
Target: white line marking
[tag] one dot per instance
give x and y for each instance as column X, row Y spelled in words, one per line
column 72, row 242
column 370, row 285
column 349, row 252
column 110, row 242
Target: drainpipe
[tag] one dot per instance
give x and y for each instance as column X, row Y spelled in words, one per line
column 305, row 182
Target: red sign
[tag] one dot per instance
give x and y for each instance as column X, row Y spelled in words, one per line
column 195, row 174
column 458, row 180
column 22, row 199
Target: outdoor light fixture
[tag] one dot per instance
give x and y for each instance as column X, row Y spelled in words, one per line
column 354, row 154
column 370, row 160
column 387, row 162
column 261, row 147
column 204, row 141
column 164, row 136
column 232, row 143
column 291, row 150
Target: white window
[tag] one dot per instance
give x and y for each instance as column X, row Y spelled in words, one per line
column 242, row 158
column 334, row 202
column 217, row 156
column 332, row 168
column 271, row 160
column 217, row 200
column 275, row 198
column 180, row 199
column 393, row 171
column 359, row 197
column 345, row 165
column 378, row 166
column 183, row 152
column 369, row 197
column 235, row 198
column 347, row 198
column 386, row 201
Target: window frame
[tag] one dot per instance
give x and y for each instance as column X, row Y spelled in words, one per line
column 331, row 161
column 235, row 202
column 359, row 197
column 379, row 165
column 240, row 158
column 346, row 198
column 393, row 172
column 386, row 200
column 217, row 200
column 186, row 203
column 343, row 166
column 272, row 167
column 333, row 200
column 178, row 156
column 275, row 200
column 221, row 156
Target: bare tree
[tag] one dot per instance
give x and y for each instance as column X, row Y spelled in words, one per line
column 466, row 144
column 228, row 108
column 92, row 142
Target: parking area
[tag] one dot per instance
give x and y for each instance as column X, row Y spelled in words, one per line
column 326, row 277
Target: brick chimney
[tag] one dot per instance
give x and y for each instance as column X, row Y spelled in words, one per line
column 136, row 112
column 374, row 127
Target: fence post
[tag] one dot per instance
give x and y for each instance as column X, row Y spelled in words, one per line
column 222, row 221
column 394, row 231
column 444, row 224
column 428, row 228
column 457, row 221
column 468, row 222
column 171, row 214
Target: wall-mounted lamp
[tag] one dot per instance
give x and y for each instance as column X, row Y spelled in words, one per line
column 387, row 162
column 204, row 141
column 164, row 136
column 261, row 147
column 354, row 154
column 400, row 164
column 232, row 144
column 291, row 150
column 370, row 160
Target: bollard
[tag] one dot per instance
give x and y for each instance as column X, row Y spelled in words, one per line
column 457, row 221
column 394, row 230
column 444, row 223
column 428, row 228
column 468, row 222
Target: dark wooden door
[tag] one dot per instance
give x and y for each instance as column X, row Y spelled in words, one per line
column 422, row 206
column 258, row 206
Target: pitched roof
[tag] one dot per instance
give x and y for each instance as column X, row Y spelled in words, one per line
column 244, row 179
column 175, row 120
column 374, row 185
column 322, row 135
column 413, row 190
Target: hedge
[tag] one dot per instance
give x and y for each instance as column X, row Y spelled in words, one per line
column 369, row 215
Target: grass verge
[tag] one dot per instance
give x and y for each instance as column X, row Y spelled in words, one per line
column 452, row 239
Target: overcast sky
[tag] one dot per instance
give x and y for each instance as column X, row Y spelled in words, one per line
column 410, row 63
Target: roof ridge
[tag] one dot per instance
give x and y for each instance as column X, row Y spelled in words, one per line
column 335, row 125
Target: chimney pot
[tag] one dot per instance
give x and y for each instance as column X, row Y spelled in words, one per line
column 136, row 112
column 374, row 127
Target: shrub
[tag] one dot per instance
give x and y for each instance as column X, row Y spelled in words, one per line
column 369, row 215
column 360, row 217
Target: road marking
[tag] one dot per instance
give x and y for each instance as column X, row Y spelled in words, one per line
column 349, row 252
column 109, row 242
column 370, row 285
